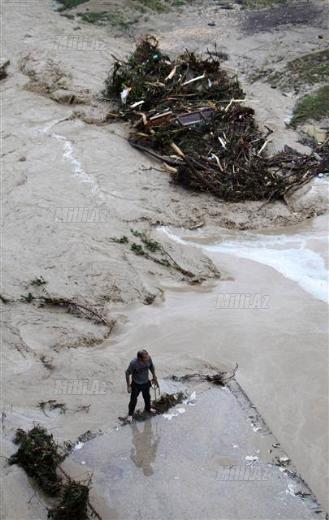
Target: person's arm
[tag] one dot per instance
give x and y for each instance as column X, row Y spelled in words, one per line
column 128, row 378
column 152, row 370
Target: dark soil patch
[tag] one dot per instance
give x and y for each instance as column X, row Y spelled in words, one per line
column 294, row 13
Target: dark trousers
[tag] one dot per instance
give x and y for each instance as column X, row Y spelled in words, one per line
column 135, row 391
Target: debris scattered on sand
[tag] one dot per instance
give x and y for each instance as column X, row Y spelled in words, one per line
column 50, row 405
column 282, row 461
column 85, row 408
column 219, row 379
column 81, row 440
column 188, row 113
column 80, row 309
column 153, row 250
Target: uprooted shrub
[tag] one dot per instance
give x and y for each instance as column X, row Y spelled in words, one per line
column 187, row 112
column 73, row 504
column 39, row 455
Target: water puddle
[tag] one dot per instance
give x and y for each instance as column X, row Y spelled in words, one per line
column 166, row 468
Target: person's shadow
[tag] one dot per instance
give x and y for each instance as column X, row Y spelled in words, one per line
column 144, row 448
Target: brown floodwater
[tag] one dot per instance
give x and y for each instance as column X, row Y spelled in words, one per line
column 267, row 314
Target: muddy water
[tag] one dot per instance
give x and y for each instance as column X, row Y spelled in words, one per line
column 278, row 337
column 278, row 334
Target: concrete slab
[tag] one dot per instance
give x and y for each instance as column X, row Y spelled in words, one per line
column 211, row 458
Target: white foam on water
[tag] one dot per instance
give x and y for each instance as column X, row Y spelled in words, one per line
column 251, row 458
column 191, row 401
column 289, row 255
column 68, row 155
column 175, row 413
column 169, row 416
column 292, row 489
column 78, row 171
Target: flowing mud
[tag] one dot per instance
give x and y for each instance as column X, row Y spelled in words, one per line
column 73, row 188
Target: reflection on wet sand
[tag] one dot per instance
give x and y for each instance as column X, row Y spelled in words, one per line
column 144, row 447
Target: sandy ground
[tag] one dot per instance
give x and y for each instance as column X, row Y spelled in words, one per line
column 70, row 186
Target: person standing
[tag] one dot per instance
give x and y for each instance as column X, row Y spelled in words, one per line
column 137, row 378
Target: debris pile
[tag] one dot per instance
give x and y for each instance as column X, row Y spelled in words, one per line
column 74, row 502
column 188, row 114
column 167, row 401
column 82, row 310
column 40, row 456
column 160, row 405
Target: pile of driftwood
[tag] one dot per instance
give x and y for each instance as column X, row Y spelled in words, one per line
column 188, row 113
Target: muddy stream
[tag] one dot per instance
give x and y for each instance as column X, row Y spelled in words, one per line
column 268, row 312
